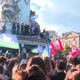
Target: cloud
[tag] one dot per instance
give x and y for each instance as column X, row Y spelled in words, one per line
column 59, row 15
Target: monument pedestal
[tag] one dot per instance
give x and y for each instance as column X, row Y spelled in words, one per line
column 8, row 28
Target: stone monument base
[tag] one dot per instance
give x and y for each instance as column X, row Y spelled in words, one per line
column 8, row 28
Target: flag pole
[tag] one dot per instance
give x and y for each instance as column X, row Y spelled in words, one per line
column 19, row 53
column 48, row 40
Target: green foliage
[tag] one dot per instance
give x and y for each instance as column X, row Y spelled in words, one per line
column 65, row 51
column 59, row 52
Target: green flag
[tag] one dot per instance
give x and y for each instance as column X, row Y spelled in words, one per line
column 34, row 51
column 45, row 53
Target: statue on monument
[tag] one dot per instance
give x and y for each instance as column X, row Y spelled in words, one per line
column 10, row 11
column 13, row 11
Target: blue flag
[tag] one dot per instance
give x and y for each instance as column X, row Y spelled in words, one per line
column 40, row 49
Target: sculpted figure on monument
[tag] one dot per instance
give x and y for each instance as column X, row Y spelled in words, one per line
column 27, row 1
column 10, row 10
column 13, row 11
column 9, row 1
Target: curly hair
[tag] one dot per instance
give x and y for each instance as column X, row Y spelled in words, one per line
column 74, row 61
column 34, row 72
column 38, row 61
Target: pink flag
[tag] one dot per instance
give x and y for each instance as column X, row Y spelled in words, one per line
column 57, row 44
column 74, row 51
column 77, row 51
column 52, row 49
column 69, row 52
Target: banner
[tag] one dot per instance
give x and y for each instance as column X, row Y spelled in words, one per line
column 57, row 44
column 77, row 51
column 34, row 18
column 9, row 41
column 74, row 51
column 34, row 51
column 46, row 51
column 52, row 49
column 33, row 27
column 39, row 50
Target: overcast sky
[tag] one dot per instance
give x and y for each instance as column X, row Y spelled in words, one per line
column 59, row 15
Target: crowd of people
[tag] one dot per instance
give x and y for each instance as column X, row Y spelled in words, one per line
column 37, row 68
column 25, row 29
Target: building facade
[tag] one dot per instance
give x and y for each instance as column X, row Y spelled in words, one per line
column 69, row 39
column 52, row 34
